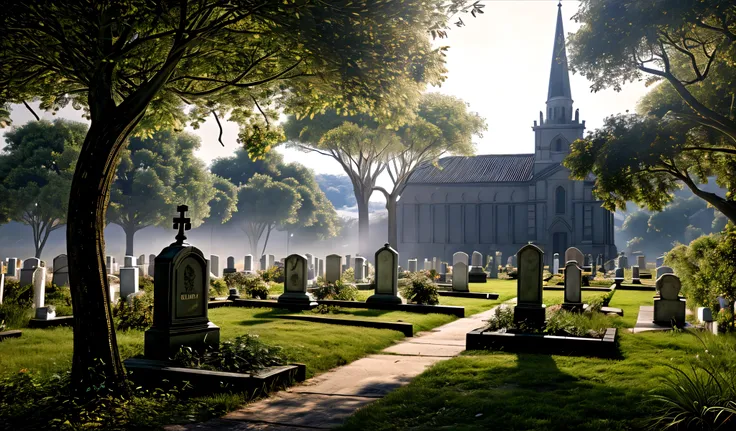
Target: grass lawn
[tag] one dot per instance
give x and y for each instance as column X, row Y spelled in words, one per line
column 629, row 301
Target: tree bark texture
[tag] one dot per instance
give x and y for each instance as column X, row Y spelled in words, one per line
column 393, row 228
column 129, row 239
column 363, row 227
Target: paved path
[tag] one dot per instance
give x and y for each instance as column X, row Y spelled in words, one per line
column 325, row 401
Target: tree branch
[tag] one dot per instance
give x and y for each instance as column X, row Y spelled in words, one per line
column 219, row 138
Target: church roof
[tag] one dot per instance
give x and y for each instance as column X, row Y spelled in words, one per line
column 488, row 168
column 559, row 75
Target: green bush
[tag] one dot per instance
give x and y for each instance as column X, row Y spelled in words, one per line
column 569, row 324
column 16, row 309
column 246, row 353
column 135, row 312
column 61, row 298
column 273, row 274
column 503, row 318
column 257, row 288
column 145, row 283
column 339, row 290
column 421, row 290
column 236, row 280
column 219, row 286
column 348, row 276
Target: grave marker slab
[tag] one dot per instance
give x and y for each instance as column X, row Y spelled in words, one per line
column 573, row 253
column 129, row 278
column 460, row 272
column 230, row 267
column 573, row 287
column 13, row 267
column 151, row 265
column 387, row 277
column 333, row 268
column 29, row 268
column 321, row 270
column 248, row 264
column 295, row 282
column 530, row 308
column 635, row 275
column 215, row 265
column 359, row 268
column 556, row 264
column 412, row 265
column 477, row 274
column 61, row 270
column 641, row 262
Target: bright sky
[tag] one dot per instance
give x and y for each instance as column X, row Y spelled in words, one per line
column 499, row 63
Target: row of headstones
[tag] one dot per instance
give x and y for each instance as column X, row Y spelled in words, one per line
column 476, row 263
column 315, row 265
column 32, row 271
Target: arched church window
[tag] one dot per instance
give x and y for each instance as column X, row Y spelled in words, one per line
column 558, row 144
column 560, row 200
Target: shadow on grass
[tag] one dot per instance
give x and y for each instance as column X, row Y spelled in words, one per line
column 255, row 322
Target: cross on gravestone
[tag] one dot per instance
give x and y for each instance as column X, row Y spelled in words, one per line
column 529, row 308
column 181, row 292
column 386, row 277
column 183, row 223
column 295, row 283
column 573, row 287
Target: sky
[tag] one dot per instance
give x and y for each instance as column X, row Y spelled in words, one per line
column 498, row 62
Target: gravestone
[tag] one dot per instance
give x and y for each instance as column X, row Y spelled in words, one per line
column 437, row 263
column 46, row 313
column 662, row 270
column 573, row 287
column 29, row 268
column 494, row 269
column 593, row 270
column 599, row 264
column 272, row 261
column 387, row 277
column 641, row 262
column 248, row 263
column 499, row 258
column 635, row 275
column 588, row 263
column 412, row 265
column 310, row 261
column 669, row 307
column 477, row 274
column 321, row 270
column 128, row 278
column 359, row 268
column 61, row 270
column 2, row 287
column 152, row 266
column 263, row 263
column 460, row 272
column 13, row 267
column 142, row 265
column 109, row 264
column 443, row 272
column 556, row 264
column 333, row 268
column 573, row 253
column 623, row 261
column 511, row 261
column 215, row 265
column 181, row 291
column 427, row 265
column 295, row 282
column 230, row 267
column 529, row 307
column 619, row 276
column 348, row 261
column 660, row 261
column 39, row 285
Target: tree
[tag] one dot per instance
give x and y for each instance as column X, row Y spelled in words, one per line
column 224, row 203
column 442, row 126
column 134, row 65
column 36, row 170
column 154, row 175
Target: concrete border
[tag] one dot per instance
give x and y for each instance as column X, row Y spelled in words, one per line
column 10, row 334
column 546, row 344
column 473, row 295
column 412, row 308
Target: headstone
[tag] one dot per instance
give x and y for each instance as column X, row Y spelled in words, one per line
column 387, row 277
column 230, row 267
column 348, row 261
column 635, row 275
column 46, row 313
column 333, row 268
column 129, row 278
column 619, row 276
column 2, row 287
column 215, row 265
column 460, row 272
column 662, row 270
column 181, row 292
column 29, row 268
column 272, row 260
column 593, row 269
column 477, row 274
column 310, row 262
column 443, row 272
column 529, row 308
column 573, row 287
column 61, row 271
column 669, row 307
column 573, row 253
column 623, row 261
column 660, row 261
column 599, row 263
column 109, row 264
column 641, row 262
column 13, row 267
column 359, row 268
column 152, row 267
column 556, row 264
column 705, row 314
column 499, row 258
column 248, row 264
column 412, row 265
column 295, row 282
column 427, row 265
column 263, row 264
column 321, row 269
column 494, row 269
column 39, row 285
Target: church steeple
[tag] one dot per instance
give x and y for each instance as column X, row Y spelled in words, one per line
column 559, row 76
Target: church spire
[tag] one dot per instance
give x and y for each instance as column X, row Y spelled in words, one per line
column 559, row 76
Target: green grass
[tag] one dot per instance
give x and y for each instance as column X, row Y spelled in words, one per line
column 630, row 301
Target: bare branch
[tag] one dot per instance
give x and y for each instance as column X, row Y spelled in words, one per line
column 219, row 138
column 31, row 109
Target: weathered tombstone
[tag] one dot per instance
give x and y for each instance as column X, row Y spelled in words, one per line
column 39, row 285
column 412, row 265
column 13, row 267
column 128, row 278
column 215, row 265
column 635, row 275
column 248, row 263
column 529, row 307
column 29, row 268
column 348, row 261
column 477, row 274
column 641, row 262
column 662, row 270
column 110, row 265
column 61, row 270
column 230, row 267
column 272, row 261
column 152, row 266
column 181, row 292
column 619, row 276
column 387, row 277
column 427, row 265
column 443, row 272
column 669, row 307
column 333, row 268
column 573, row 253
column 494, row 269
column 623, row 261
column 573, row 287
column 142, row 264
column 460, row 272
column 359, row 268
column 321, row 269
column 556, row 264
column 660, row 261
column 295, row 282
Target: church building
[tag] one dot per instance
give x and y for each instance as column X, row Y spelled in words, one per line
column 491, row 203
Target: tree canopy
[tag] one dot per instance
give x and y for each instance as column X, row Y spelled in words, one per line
column 36, row 168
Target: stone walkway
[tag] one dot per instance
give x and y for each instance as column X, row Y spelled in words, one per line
column 325, row 401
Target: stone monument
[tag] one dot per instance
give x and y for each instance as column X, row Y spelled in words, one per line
column 635, row 275
column 333, row 268
column 30, row 266
column 641, row 262
column 477, row 274
column 669, row 307
column 152, row 266
column 230, row 267
column 573, row 287
column 387, row 277
column 460, row 272
column 13, row 267
column 529, row 308
column 623, row 261
column 412, row 265
column 573, row 253
column 215, row 265
column 248, row 264
column 128, row 277
column 556, row 264
column 359, row 269
column 295, row 283
column 61, row 270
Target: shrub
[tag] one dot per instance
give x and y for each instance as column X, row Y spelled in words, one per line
column 503, row 318
column 257, row 288
column 348, row 276
column 235, row 280
column 273, row 274
column 145, row 283
column 16, row 309
column 135, row 312
column 219, row 286
column 339, row 290
column 246, row 353
column 61, row 298
column 325, row 309
column 421, row 290
column 565, row 323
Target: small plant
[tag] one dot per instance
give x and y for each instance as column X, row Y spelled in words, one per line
column 339, row 290
column 565, row 323
column 145, row 283
column 60, row 297
column 219, row 286
column 244, row 354
column 326, row 309
column 348, row 276
column 134, row 312
column 421, row 290
column 503, row 318
column 257, row 288
column 273, row 274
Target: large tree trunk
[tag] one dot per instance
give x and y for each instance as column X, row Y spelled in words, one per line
column 129, row 237
column 393, row 229
column 96, row 359
column 363, row 227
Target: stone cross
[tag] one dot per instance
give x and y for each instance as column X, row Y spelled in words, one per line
column 182, row 223
column 460, row 272
column 386, row 278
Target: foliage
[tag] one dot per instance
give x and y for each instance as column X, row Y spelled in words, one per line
column 421, row 290
column 326, row 309
column 348, row 276
column 36, row 168
column 145, row 283
column 702, row 393
column 245, row 354
column 154, row 175
column 250, row 284
column 224, row 202
column 134, row 312
column 503, row 318
column 570, row 324
column 259, row 289
column 339, row 290
column 219, row 285
column 61, row 298
column 274, row 274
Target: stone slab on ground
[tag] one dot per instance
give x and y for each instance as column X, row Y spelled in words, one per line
column 644, row 321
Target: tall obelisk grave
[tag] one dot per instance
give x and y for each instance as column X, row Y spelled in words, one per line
column 181, row 292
